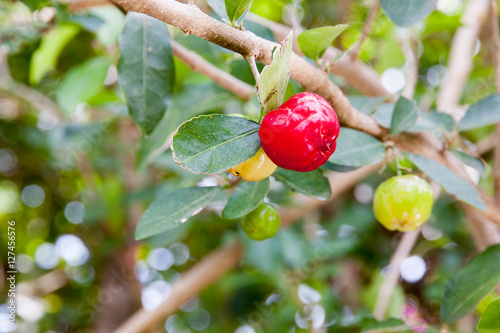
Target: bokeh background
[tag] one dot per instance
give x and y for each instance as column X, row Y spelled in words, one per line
column 75, row 177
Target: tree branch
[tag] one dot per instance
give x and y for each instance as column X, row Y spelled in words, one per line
column 372, row 16
column 412, row 65
column 355, row 73
column 215, row 265
column 403, row 250
column 460, row 60
column 198, row 64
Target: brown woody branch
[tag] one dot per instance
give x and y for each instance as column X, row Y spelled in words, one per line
column 354, row 73
column 198, row 64
column 460, row 60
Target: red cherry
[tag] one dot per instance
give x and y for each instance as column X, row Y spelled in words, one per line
column 300, row 135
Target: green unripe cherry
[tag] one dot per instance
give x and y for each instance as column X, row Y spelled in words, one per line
column 261, row 223
column 403, row 203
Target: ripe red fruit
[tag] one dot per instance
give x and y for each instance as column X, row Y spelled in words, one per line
column 301, row 134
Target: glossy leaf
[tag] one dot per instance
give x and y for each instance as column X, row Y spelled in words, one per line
column 44, row 59
column 312, row 183
column 407, row 12
column 237, row 8
column 473, row 282
column 434, row 122
column 483, row 113
column 490, row 320
column 174, row 208
column 246, row 198
column 186, row 104
column 214, row 143
column 365, row 104
column 82, row 83
column 146, row 69
column 219, row 7
column 273, row 80
column 404, row 116
column 356, row 148
column 313, row 43
column 450, row 181
column 469, row 160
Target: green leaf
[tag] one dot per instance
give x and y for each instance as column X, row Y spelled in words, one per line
column 473, row 282
column 246, row 198
column 214, row 143
column 407, row 12
column 195, row 100
column 44, row 59
column 313, row 43
column 483, row 113
column 404, row 116
column 146, row 70
column 219, row 7
column 174, row 208
column 237, row 8
column 365, row 104
column 490, row 320
column 383, row 115
column 450, row 181
column 434, row 122
column 356, row 148
column 372, row 325
column 82, row 83
column 312, row 183
column 273, row 80
column 471, row 161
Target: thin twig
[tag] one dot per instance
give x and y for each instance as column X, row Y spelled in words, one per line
column 460, row 59
column 412, row 64
column 391, row 279
column 372, row 15
column 496, row 61
column 198, row 64
column 253, row 66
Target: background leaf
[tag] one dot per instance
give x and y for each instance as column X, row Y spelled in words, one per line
column 450, row 181
column 312, row 183
column 404, row 116
column 146, row 69
column 365, row 104
column 483, row 113
column 82, row 83
column 356, row 148
column 489, row 322
column 214, row 143
column 314, row 42
column 174, row 208
column 237, row 8
column 246, row 198
column 273, row 80
column 473, row 282
column 44, row 59
column 469, row 160
column 407, row 12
